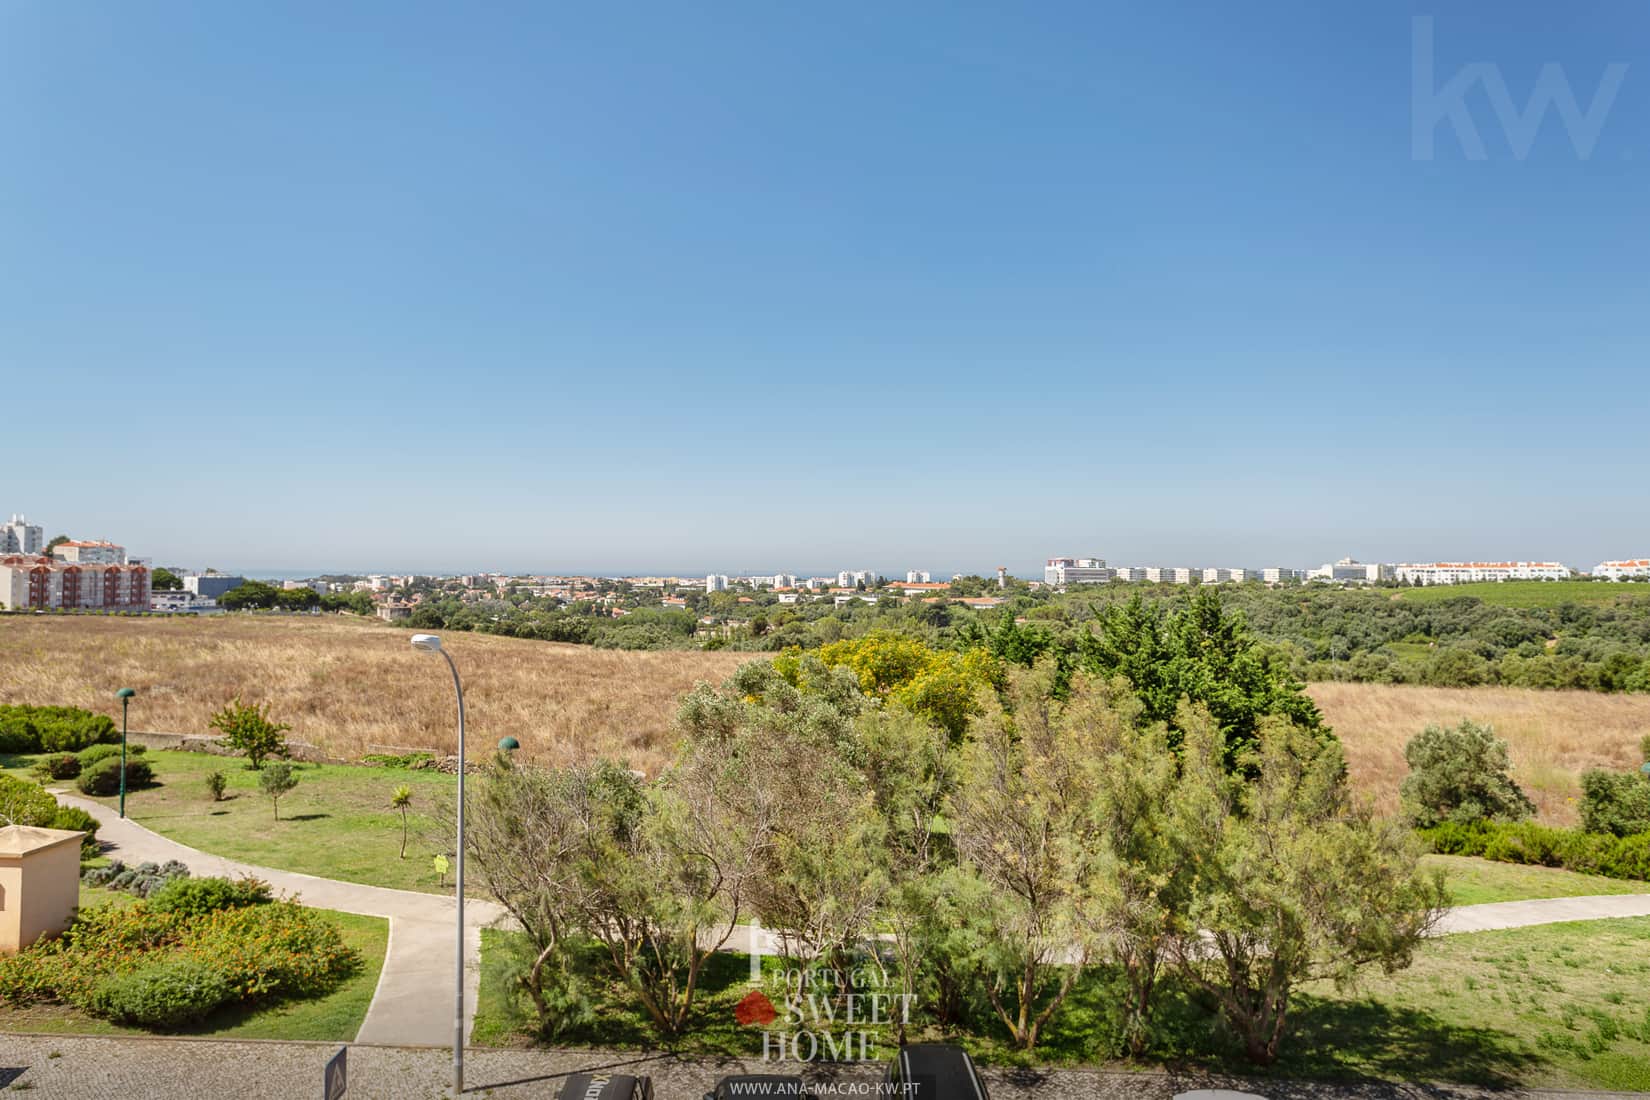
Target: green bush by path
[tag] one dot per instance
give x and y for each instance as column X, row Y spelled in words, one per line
column 164, row 995
column 52, row 729
column 96, row 753
column 104, row 777
column 24, row 803
column 62, row 766
column 140, row 964
column 1615, row 802
column 1526, row 842
column 194, row 897
column 73, row 817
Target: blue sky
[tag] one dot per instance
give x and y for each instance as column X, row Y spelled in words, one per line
column 751, row 286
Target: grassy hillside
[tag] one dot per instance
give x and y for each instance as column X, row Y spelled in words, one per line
column 345, row 683
column 1553, row 735
column 1525, row 593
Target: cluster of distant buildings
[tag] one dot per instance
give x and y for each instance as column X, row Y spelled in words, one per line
column 87, row 575
column 1060, row 572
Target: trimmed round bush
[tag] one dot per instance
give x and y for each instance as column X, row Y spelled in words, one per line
column 166, row 994
column 88, row 757
column 66, row 766
column 104, row 777
column 193, row 897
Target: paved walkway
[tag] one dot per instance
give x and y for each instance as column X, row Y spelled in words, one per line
column 413, row 1005
column 1521, row 914
column 64, row 1068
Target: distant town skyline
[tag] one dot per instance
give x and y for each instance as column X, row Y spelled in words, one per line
column 624, row 288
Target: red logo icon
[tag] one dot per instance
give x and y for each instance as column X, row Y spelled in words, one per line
column 755, row 1009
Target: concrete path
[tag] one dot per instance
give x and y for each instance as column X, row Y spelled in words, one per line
column 1521, row 914
column 413, row 1005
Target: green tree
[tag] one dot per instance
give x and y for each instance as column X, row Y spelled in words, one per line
column 164, row 580
column 1293, row 881
column 1460, row 774
column 1018, row 818
column 248, row 729
column 277, row 780
column 401, row 799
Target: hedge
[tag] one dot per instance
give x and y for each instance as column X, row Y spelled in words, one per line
column 53, row 729
column 25, row 803
column 104, row 776
column 1525, row 842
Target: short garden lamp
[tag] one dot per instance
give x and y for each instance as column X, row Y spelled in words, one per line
column 508, row 744
column 125, row 697
column 1645, row 767
column 431, row 643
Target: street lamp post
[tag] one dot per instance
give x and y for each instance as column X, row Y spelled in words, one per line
column 431, row 643
column 125, row 697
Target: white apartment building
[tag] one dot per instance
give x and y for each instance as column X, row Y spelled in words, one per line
column 716, row 582
column 850, row 579
column 784, row 580
column 917, row 576
column 1181, row 575
column 1062, row 571
column 1351, row 571
column 183, row 603
column 32, row 581
column 89, row 553
column 1214, row 575
column 1467, row 572
column 1158, row 574
column 1276, row 574
column 1129, row 573
column 19, row 536
column 1621, row 570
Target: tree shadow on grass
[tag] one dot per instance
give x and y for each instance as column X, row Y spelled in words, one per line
column 1367, row 1039
column 304, row 817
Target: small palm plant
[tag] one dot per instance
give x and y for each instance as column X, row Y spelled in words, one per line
column 401, row 799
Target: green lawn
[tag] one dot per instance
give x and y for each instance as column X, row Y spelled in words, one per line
column 337, row 823
column 335, row 1017
column 1474, row 881
column 1528, row 593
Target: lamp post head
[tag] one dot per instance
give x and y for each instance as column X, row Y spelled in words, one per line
column 125, row 693
column 429, row 643
column 508, row 744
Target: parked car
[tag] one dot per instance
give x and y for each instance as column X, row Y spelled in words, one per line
column 758, row 1086
column 935, row 1071
column 605, row 1086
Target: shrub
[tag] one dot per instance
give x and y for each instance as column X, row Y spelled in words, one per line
column 65, row 766
column 142, row 880
column 165, row 994
column 248, row 729
column 52, row 729
column 194, row 897
column 1529, row 843
column 104, row 777
column 24, row 803
column 88, row 757
column 216, row 782
column 1460, row 775
column 73, row 817
column 280, row 948
column 1615, row 802
column 413, row 761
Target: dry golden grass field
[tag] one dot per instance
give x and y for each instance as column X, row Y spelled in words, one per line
column 1552, row 736
column 344, row 683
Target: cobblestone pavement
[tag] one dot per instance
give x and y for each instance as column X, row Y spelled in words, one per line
column 53, row 1067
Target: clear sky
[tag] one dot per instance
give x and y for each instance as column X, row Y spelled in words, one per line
column 743, row 286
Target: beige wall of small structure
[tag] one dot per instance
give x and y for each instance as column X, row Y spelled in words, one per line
column 39, row 883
